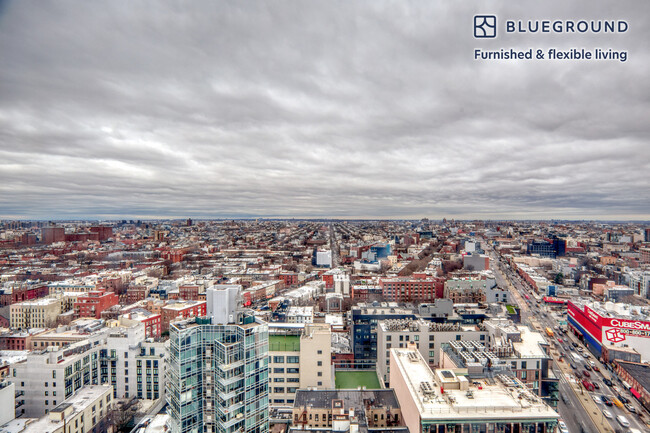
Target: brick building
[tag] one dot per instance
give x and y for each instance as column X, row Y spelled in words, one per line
column 182, row 309
column 93, row 303
column 418, row 288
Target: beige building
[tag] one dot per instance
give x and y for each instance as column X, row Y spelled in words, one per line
column 39, row 313
column 299, row 361
column 84, row 412
column 446, row 401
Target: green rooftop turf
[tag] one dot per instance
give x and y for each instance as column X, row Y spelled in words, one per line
column 511, row 309
column 354, row 379
column 284, row 343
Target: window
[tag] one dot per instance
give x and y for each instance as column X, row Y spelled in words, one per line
column 278, row 390
column 320, row 374
column 320, row 383
column 430, row 337
column 401, row 338
column 458, row 337
column 482, row 337
column 432, row 353
column 320, row 352
column 416, row 337
column 45, row 393
column 388, row 338
column 431, row 345
column 293, row 379
column 523, row 364
column 293, row 359
column 278, row 359
column 278, row 379
column 320, row 363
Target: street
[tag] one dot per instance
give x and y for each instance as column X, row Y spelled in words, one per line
column 576, row 405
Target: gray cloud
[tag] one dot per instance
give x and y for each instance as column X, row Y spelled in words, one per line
column 348, row 109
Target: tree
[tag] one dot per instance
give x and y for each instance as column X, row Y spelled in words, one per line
column 559, row 277
column 122, row 413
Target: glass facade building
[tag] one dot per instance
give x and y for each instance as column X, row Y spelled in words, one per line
column 217, row 376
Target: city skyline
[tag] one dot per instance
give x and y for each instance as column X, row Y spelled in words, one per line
column 330, row 109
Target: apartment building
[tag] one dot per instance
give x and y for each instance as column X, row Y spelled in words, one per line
column 39, row 313
column 117, row 356
column 181, row 309
column 442, row 401
column 371, row 411
column 92, row 304
column 297, row 360
column 428, row 338
column 217, row 375
column 85, row 412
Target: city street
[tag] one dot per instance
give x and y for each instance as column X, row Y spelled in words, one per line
column 576, row 405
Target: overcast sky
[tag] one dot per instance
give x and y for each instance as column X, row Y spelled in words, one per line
column 120, row 109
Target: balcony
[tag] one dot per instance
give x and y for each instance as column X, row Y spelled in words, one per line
column 227, row 367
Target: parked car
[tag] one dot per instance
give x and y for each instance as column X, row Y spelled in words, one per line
column 631, row 408
column 605, row 400
column 596, row 384
column 575, row 367
column 607, row 382
column 623, row 399
column 574, row 344
column 595, row 367
column 588, row 385
column 607, row 414
column 562, row 427
column 585, row 373
column 617, row 402
column 587, row 367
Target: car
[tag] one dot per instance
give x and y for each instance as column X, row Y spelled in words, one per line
column 574, row 344
column 562, row 427
column 595, row 367
column 631, row 408
column 587, row 367
column 592, row 363
column 607, row 382
column 607, row 414
column 596, row 399
column 585, row 354
column 625, row 400
column 585, row 373
column 605, row 400
column 596, row 385
column 588, row 385
column 623, row 421
column 575, row 367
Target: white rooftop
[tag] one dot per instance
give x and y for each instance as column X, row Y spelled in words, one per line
column 462, row 400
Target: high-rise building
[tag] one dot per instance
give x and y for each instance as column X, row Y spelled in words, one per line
column 218, row 373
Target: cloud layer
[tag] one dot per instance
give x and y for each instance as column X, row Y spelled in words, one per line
column 310, row 109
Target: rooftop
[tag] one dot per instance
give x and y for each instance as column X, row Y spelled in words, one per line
column 351, row 398
column 442, row 395
column 284, row 343
column 357, row 378
column 640, row 372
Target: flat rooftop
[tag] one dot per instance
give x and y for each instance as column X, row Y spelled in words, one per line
column 284, row 343
column 355, row 379
column 485, row 399
column 351, row 398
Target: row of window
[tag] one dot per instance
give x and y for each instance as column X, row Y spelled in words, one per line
column 290, row 359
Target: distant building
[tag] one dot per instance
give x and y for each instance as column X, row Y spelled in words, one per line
column 93, row 303
column 50, row 235
column 181, row 309
column 39, row 313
